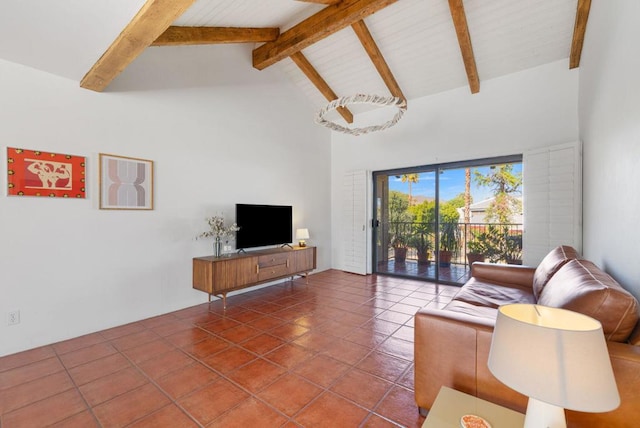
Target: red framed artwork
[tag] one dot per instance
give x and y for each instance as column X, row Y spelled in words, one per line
column 35, row 173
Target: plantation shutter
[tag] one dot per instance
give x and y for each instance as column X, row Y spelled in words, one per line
column 354, row 222
column 552, row 197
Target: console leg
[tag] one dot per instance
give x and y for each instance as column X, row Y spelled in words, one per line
column 224, row 301
column 209, row 298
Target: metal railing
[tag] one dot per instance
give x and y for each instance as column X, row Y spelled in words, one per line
column 497, row 242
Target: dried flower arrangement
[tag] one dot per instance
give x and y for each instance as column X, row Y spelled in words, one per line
column 217, row 228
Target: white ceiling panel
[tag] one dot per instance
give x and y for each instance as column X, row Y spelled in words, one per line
column 510, row 36
column 416, row 37
column 247, row 13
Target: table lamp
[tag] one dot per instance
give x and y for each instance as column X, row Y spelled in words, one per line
column 301, row 235
column 558, row 358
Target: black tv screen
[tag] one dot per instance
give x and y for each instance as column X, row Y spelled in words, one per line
column 263, row 225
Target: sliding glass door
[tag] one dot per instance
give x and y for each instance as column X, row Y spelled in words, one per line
column 431, row 222
column 405, row 223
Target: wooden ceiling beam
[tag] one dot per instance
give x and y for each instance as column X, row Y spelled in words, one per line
column 378, row 60
column 152, row 19
column 464, row 40
column 180, row 36
column 318, row 26
column 580, row 27
column 313, row 75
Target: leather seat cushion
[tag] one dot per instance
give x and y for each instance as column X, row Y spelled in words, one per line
column 485, row 312
column 553, row 261
column 580, row 286
column 479, row 293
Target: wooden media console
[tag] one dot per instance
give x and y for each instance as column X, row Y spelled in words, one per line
column 217, row 276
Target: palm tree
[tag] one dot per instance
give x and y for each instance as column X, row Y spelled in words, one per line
column 410, row 178
column 467, row 203
column 467, row 195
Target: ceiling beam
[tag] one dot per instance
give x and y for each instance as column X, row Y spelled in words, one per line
column 152, row 19
column 582, row 16
column 378, row 60
column 180, row 36
column 464, row 40
column 306, row 67
column 321, row 1
column 318, row 26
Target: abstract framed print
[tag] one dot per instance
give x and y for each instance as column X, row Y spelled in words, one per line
column 125, row 183
column 36, row 173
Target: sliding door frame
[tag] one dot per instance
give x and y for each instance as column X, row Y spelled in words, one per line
column 437, row 168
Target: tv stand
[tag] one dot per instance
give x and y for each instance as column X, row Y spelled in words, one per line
column 218, row 276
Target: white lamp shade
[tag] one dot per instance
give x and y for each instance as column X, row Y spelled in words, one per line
column 302, row 233
column 554, row 355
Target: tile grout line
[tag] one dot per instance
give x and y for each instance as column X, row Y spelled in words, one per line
column 296, row 297
column 77, row 389
column 255, row 396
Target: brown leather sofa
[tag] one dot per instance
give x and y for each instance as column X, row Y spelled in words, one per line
column 452, row 344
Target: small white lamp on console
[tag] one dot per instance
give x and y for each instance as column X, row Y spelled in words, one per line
column 558, row 358
column 301, row 235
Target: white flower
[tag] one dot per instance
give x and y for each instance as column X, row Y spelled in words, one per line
column 217, row 228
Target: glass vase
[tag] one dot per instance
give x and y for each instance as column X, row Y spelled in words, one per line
column 217, row 248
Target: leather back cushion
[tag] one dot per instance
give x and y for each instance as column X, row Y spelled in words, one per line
column 634, row 339
column 550, row 265
column 581, row 286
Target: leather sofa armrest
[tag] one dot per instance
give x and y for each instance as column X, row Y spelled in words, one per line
column 626, row 352
column 437, row 316
column 625, row 360
column 445, row 352
column 521, row 276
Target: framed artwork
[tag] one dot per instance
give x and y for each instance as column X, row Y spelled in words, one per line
column 36, row 173
column 125, row 183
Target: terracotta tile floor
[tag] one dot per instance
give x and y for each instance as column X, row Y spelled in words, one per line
column 336, row 352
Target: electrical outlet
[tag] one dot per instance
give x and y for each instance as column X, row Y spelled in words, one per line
column 14, row 318
column 227, row 248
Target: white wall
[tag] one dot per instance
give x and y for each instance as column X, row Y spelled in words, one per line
column 532, row 108
column 70, row 268
column 610, row 130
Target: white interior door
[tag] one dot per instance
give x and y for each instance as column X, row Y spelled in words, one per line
column 354, row 221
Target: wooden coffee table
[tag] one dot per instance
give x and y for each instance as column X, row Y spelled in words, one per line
column 451, row 405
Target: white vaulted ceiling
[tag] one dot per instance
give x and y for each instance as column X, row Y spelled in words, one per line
column 416, row 37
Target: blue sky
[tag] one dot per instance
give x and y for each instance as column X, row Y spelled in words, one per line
column 451, row 184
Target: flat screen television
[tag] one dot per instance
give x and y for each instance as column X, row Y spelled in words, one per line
column 263, row 225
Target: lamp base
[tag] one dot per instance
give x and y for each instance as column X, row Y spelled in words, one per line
column 544, row 415
column 302, row 243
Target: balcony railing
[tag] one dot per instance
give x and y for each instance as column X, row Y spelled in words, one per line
column 496, row 242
